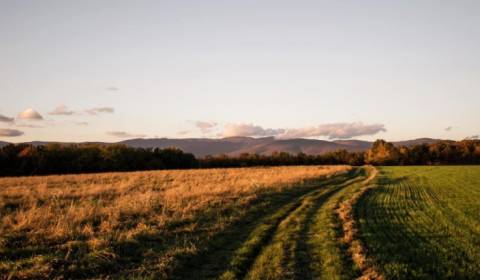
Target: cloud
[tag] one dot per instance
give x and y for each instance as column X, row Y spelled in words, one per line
column 123, row 134
column 473, row 137
column 335, row 131
column 28, row 125
column 98, row 110
column 232, row 130
column 112, row 88
column 331, row 131
column 183, row 132
column 6, row 119
column 62, row 110
column 448, row 128
column 30, row 114
column 10, row 132
column 205, row 127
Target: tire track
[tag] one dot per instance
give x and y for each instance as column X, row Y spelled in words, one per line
column 350, row 230
column 281, row 241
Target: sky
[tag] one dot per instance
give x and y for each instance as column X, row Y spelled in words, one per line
column 112, row 70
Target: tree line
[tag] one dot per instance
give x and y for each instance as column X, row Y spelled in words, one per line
column 23, row 159
column 27, row 159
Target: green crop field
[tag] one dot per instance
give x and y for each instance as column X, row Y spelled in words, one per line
column 423, row 222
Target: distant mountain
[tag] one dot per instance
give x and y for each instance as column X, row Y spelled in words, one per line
column 355, row 145
column 200, row 147
column 416, row 142
column 234, row 146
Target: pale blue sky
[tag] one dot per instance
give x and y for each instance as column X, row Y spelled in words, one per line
column 412, row 66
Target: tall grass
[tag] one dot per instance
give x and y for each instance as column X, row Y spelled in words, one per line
column 137, row 223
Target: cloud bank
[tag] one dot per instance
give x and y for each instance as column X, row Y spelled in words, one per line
column 123, row 134
column 6, row 119
column 205, row 127
column 250, row 130
column 331, row 131
column 98, row 110
column 30, row 114
column 10, row 132
column 62, row 110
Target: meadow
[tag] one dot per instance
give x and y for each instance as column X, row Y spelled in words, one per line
column 142, row 224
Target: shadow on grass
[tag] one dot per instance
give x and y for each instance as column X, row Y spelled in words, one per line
column 217, row 258
column 138, row 258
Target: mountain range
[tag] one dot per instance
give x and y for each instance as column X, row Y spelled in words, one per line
column 233, row 146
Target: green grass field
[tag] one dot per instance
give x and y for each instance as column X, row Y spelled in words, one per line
column 423, row 222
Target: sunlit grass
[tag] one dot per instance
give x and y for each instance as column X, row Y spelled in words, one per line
column 142, row 224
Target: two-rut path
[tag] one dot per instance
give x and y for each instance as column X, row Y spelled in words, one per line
column 303, row 239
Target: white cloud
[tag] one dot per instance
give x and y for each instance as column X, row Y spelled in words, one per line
column 251, row 130
column 6, row 119
column 331, row 131
column 30, row 114
column 205, row 127
column 123, row 134
column 62, row 110
column 335, row 131
column 10, row 132
column 97, row 110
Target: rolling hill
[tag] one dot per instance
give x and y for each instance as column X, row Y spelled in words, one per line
column 234, row 146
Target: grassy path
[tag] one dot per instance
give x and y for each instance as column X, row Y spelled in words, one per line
column 299, row 240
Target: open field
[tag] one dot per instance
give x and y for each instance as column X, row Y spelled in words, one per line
column 424, row 222
column 304, row 222
column 141, row 223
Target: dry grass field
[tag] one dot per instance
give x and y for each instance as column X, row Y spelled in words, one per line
column 138, row 224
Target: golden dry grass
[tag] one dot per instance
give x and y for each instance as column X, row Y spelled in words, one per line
column 136, row 222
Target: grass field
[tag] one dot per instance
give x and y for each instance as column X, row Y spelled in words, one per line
column 145, row 224
column 424, row 222
column 315, row 222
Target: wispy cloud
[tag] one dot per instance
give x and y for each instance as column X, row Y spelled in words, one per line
column 98, row 110
column 231, row 130
column 183, row 132
column 10, row 132
column 449, row 128
column 6, row 119
column 335, row 131
column 62, row 110
column 26, row 125
column 331, row 131
column 112, row 88
column 205, row 127
column 123, row 134
column 30, row 114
